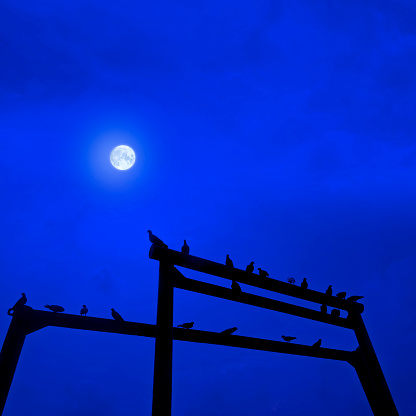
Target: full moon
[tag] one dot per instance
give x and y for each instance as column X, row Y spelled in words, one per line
column 122, row 157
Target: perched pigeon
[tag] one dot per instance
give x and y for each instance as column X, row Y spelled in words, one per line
column 84, row 310
column 155, row 240
column 291, row 280
column 318, row 343
column 354, row 298
column 341, row 295
column 229, row 262
column 250, row 267
column 55, row 308
column 335, row 312
column 236, row 287
column 329, row 291
column 186, row 325
column 116, row 315
column 288, row 339
column 324, row 309
column 18, row 304
column 263, row 273
column 185, row 248
column 304, row 284
column 229, row 331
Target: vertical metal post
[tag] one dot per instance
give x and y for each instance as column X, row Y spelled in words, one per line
column 9, row 356
column 162, row 379
column 373, row 367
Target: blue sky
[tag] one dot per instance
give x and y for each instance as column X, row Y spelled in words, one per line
column 277, row 133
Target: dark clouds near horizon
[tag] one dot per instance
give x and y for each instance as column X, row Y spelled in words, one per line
column 279, row 133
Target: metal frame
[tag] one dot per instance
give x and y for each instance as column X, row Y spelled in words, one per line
column 27, row 320
column 364, row 359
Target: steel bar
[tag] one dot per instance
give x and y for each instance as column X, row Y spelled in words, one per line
column 374, row 369
column 367, row 383
column 9, row 356
column 221, row 270
column 260, row 344
column 162, row 381
column 262, row 302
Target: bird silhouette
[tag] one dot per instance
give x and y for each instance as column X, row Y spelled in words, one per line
column 304, row 284
column 55, row 308
column 336, row 313
column 263, row 273
column 229, row 331
column 116, row 315
column 84, row 310
column 317, row 344
column 291, row 280
column 18, row 304
column 155, row 240
column 341, row 295
column 229, row 262
column 186, row 325
column 324, row 309
column 236, row 287
column 329, row 291
column 354, row 298
column 185, row 248
column 250, row 267
column 288, row 339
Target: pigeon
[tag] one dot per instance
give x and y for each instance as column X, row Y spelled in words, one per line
column 324, row 309
column 236, row 287
column 263, row 273
column 116, row 315
column 84, row 310
column 335, row 312
column 288, row 339
column 229, row 331
column 317, row 344
column 304, row 284
column 354, row 298
column 229, row 262
column 186, row 325
column 185, row 248
column 18, row 304
column 55, row 308
column 250, row 267
column 291, row 280
column 155, row 240
column 329, row 291
column 341, row 295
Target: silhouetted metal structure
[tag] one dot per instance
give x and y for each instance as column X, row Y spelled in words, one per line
column 364, row 359
column 26, row 320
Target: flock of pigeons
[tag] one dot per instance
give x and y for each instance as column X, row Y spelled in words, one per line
column 234, row 286
column 262, row 273
column 56, row 308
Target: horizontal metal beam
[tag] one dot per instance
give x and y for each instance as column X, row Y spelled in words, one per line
column 249, row 299
column 41, row 319
column 260, row 344
column 221, row 270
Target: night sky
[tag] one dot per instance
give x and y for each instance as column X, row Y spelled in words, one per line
column 276, row 132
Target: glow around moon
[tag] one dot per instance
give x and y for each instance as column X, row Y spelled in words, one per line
column 122, row 157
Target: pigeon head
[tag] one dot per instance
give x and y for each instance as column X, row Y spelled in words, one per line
column 84, row 306
column 149, row 231
column 112, row 309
